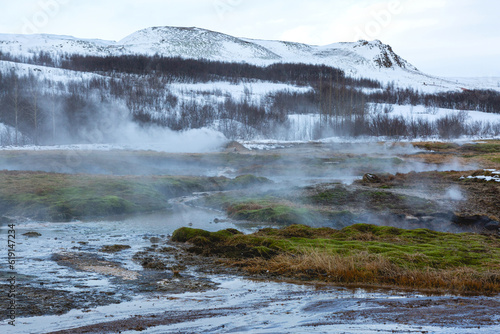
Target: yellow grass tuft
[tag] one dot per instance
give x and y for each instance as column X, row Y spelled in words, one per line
column 365, row 268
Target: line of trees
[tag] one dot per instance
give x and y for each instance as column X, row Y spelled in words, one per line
column 447, row 127
column 479, row 100
column 41, row 111
column 178, row 69
column 202, row 70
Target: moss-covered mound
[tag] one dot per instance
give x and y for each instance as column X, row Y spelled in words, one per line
column 67, row 196
column 361, row 254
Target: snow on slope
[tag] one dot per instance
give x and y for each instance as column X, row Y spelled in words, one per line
column 254, row 92
column 27, row 45
column 368, row 60
column 47, row 73
column 490, row 82
column 194, row 43
column 359, row 59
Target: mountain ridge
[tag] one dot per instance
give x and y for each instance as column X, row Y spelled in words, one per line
column 193, row 42
column 369, row 59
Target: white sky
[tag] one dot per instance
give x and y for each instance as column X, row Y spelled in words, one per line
column 441, row 37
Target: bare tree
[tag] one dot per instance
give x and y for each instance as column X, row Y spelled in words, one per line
column 34, row 108
column 53, row 111
column 15, row 102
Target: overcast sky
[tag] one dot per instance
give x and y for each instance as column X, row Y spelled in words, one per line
column 441, row 37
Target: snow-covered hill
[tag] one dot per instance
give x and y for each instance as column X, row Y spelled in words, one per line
column 359, row 59
column 28, row 45
column 108, row 103
column 195, row 43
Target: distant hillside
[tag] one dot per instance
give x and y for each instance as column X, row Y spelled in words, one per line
column 61, row 89
column 373, row 59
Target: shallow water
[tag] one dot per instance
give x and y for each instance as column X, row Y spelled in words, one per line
column 244, row 306
column 34, row 253
column 237, row 306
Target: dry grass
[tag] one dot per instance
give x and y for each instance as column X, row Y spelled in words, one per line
column 482, row 153
column 373, row 269
column 437, row 159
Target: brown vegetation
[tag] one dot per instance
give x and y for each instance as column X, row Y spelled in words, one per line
column 364, row 268
column 360, row 254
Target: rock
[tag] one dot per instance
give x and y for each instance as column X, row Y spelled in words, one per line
column 492, row 226
column 151, row 262
column 235, row 147
column 154, row 240
column 113, row 248
column 371, row 178
column 474, row 220
column 32, row 234
column 477, row 222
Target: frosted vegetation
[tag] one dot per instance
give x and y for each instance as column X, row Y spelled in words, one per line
column 46, row 99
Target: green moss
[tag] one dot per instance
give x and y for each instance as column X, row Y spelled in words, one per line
column 64, row 197
column 412, row 249
column 248, row 180
column 199, row 241
column 436, row 146
column 338, row 195
column 99, row 206
column 185, row 234
column 275, row 213
column 376, row 200
column 488, row 147
column 494, row 159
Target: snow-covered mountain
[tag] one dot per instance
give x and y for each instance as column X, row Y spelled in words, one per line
column 200, row 43
column 358, row 59
column 86, row 100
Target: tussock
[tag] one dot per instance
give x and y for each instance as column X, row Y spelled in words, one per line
column 373, row 269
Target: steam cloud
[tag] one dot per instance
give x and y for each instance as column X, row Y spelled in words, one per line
column 166, row 140
column 114, row 125
column 455, row 194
